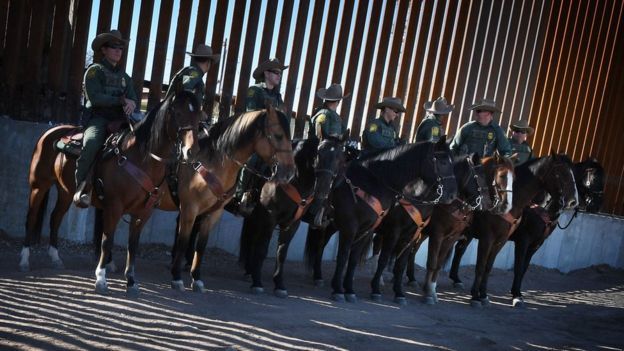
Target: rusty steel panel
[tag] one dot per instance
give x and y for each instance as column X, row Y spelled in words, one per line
column 268, row 28
column 453, row 65
column 181, row 36
column 4, row 16
column 125, row 24
column 82, row 20
column 217, row 47
column 201, row 22
column 232, row 60
column 59, row 47
column 295, row 58
column 248, row 51
column 395, row 50
column 105, row 16
column 160, row 53
column 380, row 62
column 484, row 60
column 142, row 45
column 343, row 38
column 437, row 82
column 308, row 71
column 284, row 31
column 328, row 42
column 15, row 38
column 428, row 67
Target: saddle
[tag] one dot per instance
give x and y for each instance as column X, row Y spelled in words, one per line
column 71, row 143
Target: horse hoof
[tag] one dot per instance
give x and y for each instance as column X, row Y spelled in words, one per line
column 319, row 283
column 133, row 291
column 101, row 288
column 518, row 302
column 24, row 267
column 338, row 297
column 198, row 286
column 351, row 298
column 111, row 267
column 257, row 290
column 429, row 300
column 476, row 304
column 281, row 293
column 485, row 302
column 58, row 264
column 458, row 285
column 401, row 301
column 376, row 297
column 177, row 285
column 412, row 283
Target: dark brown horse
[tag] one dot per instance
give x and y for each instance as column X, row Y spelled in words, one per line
column 550, row 173
column 127, row 182
column 542, row 218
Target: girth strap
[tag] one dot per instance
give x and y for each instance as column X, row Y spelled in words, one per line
column 374, row 203
column 153, row 192
column 215, row 186
column 295, row 196
column 514, row 222
column 545, row 216
column 416, row 216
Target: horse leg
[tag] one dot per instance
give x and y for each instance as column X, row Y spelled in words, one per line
column 483, row 252
column 433, row 264
column 411, row 268
column 460, row 249
column 37, row 204
column 520, row 255
column 260, row 228
column 491, row 257
column 202, row 240
column 247, row 243
column 390, row 238
column 136, row 225
column 283, row 243
column 110, row 217
column 400, row 265
column 344, row 247
column 63, row 201
column 185, row 224
column 354, row 256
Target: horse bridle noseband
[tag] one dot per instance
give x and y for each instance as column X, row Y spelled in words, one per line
column 480, row 186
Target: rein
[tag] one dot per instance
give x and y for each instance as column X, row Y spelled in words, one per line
column 416, row 216
column 215, row 186
column 302, row 203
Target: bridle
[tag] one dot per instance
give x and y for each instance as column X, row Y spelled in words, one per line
column 497, row 191
column 334, row 167
column 475, row 202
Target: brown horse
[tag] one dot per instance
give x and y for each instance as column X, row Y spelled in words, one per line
column 206, row 185
column 126, row 182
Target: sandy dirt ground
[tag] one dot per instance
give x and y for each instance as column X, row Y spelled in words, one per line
column 50, row 309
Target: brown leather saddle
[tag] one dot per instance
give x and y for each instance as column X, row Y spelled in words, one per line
column 71, row 143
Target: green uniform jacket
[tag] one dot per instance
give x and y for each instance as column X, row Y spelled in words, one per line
column 430, row 129
column 473, row 137
column 258, row 93
column 380, row 135
column 523, row 150
column 330, row 122
column 104, row 89
column 189, row 78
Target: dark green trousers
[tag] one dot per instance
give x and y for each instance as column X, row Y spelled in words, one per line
column 94, row 137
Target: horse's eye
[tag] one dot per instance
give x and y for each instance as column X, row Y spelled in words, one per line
column 278, row 137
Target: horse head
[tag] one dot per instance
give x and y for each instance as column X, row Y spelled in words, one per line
column 274, row 146
column 557, row 178
column 471, row 182
column 499, row 173
column 589, row 176
column 329, row 161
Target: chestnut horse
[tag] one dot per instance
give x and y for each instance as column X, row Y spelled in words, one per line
column 127, row 182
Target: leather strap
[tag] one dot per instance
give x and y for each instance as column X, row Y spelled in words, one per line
column 374, row 203
column 153, row 192
column 514, row 222
column 295, row 196
column 215, row 186
column 416, row 216
column 545, row 216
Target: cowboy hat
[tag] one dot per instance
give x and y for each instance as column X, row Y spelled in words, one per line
column 204, row 51
column 392, row 102
column 485, row 105
column 438, row 107
column 522, row 126
column 114, row 36
column 265, row 66
column 333, row 93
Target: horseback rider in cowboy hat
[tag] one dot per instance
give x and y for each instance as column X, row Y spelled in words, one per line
column 268, row 74
column 190, row 78
column 520, row 130
column 381, row 133
column 326, row 122
column 109, row 96
column 431, row 128
column 482, row 136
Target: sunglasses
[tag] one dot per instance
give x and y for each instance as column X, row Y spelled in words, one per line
column 115, row 46
column 520, row 131
column 276, row 72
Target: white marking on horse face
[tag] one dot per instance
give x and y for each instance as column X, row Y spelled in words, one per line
column 576, row 197
column 191, row 107
column 509, row 191
column 53, row 253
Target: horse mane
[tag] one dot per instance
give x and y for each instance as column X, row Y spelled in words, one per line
column 399, row 164
column 148, row 131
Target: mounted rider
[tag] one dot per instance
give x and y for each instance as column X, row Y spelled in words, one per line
column 381, row 133
column 431, row 128
column 109, row 96
column 520, row 130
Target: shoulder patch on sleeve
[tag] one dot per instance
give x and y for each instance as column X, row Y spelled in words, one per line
column 251, row 92
column 321, row 118
column 194, row 74
column 373, row 128
column 435, row 131
column 92, row 71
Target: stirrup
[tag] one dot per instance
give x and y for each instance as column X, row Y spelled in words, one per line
column 82, row 198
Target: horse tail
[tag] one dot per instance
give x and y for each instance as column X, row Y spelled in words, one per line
column 313, row 245
column 367, row 242
column 40, row 215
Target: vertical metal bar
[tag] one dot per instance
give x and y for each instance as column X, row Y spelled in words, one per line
column 328, row 42
column 268, row 28
column 34, row 58
column 397, row 41
column 310, row 60
column 160, row 53
column 105, row 16
column 284, row 31
column 142, row 46
column 125, row 26
column 343, row 39
column 16, row 36
column 181, row 36
column 82, row 19
column 217, row 46
column 248, row 51
column 201, row 22
column 232, row 59
column 4, row 17
column 295, row 58
column 442, row 54
column 59, row 58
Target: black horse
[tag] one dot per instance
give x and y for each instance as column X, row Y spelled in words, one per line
column 551, row 173
column 589, row 176
column 406, row 225
column 541, row 218
column 360, row 200
column 317, row 165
